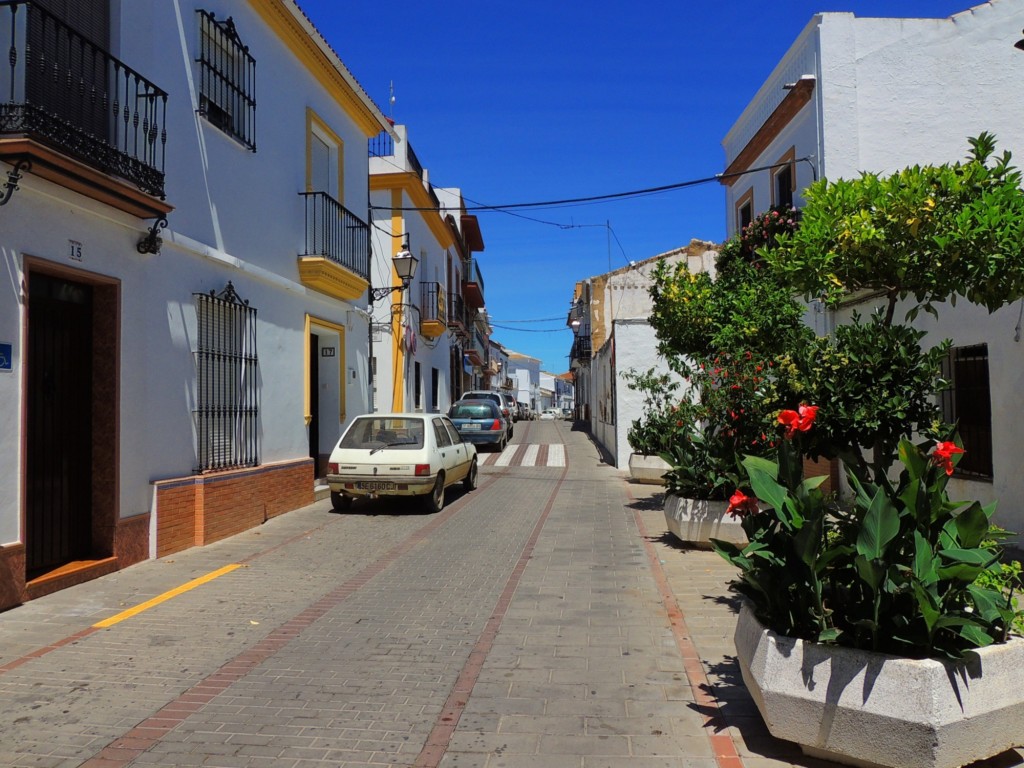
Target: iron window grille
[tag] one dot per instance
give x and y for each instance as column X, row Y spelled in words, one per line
column 227, row 375
column 227, row 79
column 967, row 404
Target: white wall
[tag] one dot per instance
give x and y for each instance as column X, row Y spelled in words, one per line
column 237, row 216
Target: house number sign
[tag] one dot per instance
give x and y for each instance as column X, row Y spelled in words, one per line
column 74, row 250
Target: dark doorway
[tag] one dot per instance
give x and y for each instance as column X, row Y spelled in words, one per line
column 314, row 404
column 59, row 461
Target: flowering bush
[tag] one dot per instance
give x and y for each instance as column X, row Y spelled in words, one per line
column 733, row 399
column 659, row 428
column 898, row 567
column 729, row 336
column 898, row 571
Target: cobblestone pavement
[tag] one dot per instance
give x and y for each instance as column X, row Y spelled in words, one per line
column 545, row 619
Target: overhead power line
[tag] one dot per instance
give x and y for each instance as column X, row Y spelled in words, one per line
column 607, row 197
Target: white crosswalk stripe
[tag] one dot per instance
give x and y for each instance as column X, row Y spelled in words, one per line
column 556, row 455
column 530, row 457
column 527, row 455
column 507, row 455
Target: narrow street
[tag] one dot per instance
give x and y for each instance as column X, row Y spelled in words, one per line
column 541, row 620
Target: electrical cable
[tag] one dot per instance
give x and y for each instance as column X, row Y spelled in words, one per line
column 610, row 196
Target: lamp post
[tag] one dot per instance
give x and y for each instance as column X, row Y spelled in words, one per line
column 405, row 267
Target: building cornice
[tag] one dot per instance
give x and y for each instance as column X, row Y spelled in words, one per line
column 412, row 185
column 302, row 38
column 797, row 97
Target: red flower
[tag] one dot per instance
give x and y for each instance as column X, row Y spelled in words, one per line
column 943, row 455
column 798, row 421
column 741, row 505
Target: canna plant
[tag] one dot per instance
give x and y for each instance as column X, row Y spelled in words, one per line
column 899, row 571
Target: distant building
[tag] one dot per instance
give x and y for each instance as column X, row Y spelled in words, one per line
column 419, row 365
column 609, row 318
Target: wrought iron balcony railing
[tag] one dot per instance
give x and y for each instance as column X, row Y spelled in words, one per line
column 433, row 307
column 456, row 312
column 337, row 234
column 66, row 92
column 580, row 348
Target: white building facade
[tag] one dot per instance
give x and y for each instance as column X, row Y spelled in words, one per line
column 183, row 331
column 863, row 94
column 603, row 307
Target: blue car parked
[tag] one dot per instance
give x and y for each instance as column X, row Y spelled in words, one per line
column 480, row 422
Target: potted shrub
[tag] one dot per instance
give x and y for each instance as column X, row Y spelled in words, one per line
column 728, row 335
column 871, row 621
column 655, row 431
column 886, row 621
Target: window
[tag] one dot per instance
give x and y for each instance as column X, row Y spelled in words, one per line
column 227, row 79
column 324, row 159
column 966, row 403
column 435, row 378
column 784, row 179
column 441, row 433
column 745, row 210
column 227, row 395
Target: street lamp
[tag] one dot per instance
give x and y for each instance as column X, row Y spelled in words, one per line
column 405, row 267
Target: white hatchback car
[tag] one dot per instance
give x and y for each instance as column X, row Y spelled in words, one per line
column 550, row 414
column 400, row 454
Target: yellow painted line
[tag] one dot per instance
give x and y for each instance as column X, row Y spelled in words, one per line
column 165, row 596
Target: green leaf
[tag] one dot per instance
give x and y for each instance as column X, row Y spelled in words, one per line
column 976, row 635
column 808, row 541
column 928, row 605
column 990, row 604
column 828, row 635
column 972, row 525
column 762, row 474
column 912, row 458
column 980, row 557
column 880, row 525
column 871, row 571
column 925, row 563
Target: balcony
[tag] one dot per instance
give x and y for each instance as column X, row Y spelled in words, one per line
column 336, row 258
column 433, row 310
column 473, row 285
column 477, row 349
column 80, row 117
column 580, row 349
column 457, row 315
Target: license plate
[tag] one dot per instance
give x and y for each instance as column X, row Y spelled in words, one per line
column 471, row 427
column 375, row 485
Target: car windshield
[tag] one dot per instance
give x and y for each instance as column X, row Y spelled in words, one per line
column 472, row 411
column 375, row 432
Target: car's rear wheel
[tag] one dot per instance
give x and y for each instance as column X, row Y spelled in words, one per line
column 469, row 483
column 434, row 500
column 340, row 501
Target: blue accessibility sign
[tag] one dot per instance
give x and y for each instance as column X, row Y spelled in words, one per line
column 6, row 356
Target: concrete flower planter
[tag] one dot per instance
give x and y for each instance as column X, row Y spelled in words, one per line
column 696, row 521
column 648, row 469
column 870, row 709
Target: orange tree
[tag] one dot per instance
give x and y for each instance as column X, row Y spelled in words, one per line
column 924, row 236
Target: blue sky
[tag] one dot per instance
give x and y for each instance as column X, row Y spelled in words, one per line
column 529, row 102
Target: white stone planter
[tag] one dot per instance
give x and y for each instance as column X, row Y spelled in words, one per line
column 871, row 709
column 696, row 522
column 648, row 469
